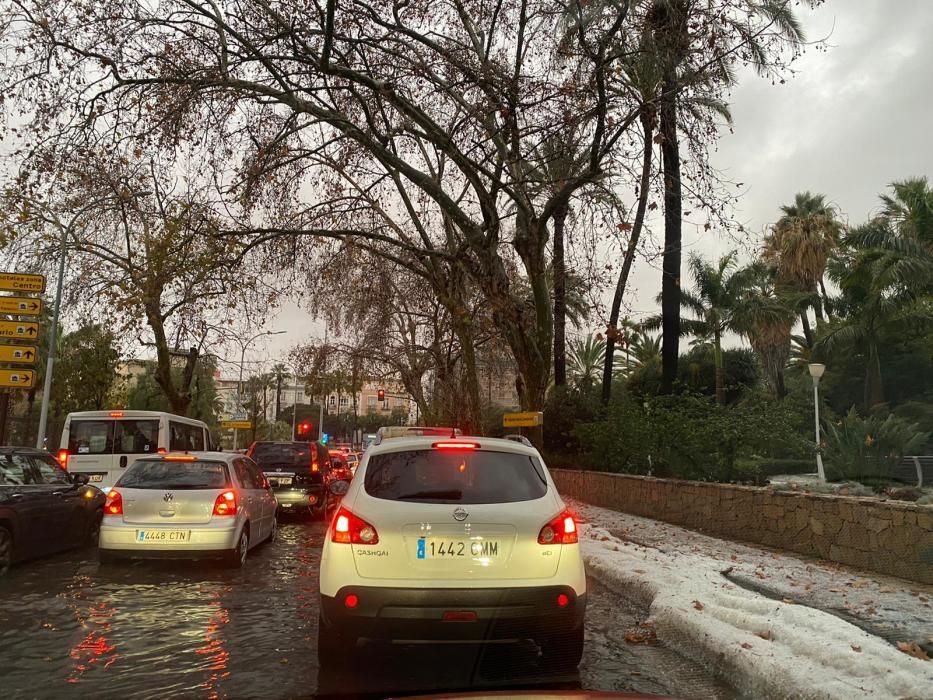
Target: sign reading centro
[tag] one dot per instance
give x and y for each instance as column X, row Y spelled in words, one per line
column 525, row 419
column 20, row 282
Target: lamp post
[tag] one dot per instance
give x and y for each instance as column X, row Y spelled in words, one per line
column 816, row 371
column 239, row 384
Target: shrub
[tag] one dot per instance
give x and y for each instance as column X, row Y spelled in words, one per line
column 564, row 409
column 868, row 449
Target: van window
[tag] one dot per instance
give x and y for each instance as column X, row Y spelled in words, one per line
column 90, row 437
column 185, row 437
column 137, row 437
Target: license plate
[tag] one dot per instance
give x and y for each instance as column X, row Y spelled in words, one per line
column 283, row 481
column 97, row 477
column 163, row 536
column 456, row 549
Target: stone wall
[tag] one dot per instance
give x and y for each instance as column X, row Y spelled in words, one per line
column 886, row 536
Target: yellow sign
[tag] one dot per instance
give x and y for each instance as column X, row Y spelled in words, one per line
column 18, row 282
column 22, row 354
column 236, row 424
column 23, row 330
column 18, row 378
column 526, row 419
column 21, row 306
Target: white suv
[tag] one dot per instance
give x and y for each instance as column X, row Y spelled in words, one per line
column 453, row 539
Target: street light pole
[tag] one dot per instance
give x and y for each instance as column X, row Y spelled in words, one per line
column 816, row 371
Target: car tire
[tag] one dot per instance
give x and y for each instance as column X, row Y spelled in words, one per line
column 6, row 550
column 563, row 651
column 275, row 531
column 92, row 538
column 334, row 646
column 107, row 558
column 236, row 557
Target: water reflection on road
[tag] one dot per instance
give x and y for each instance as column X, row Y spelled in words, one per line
column 72, row 629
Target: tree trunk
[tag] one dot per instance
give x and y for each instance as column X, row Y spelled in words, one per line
column 278, row 397
column 827, row 305
column 473, row 412
column 560, row 301
column 670, row 278
column 644, row 185
column 807, row 333
column 717, row 363
column 179, row 398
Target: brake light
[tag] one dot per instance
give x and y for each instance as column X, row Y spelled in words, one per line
column 116, row 414
column 63, row 458
column 451, row 445
column 180, row 458
column 315, row 467
column 225, row 503
column 114, row 503
column 351, row 529
column 561, row 530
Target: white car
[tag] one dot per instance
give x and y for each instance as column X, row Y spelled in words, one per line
column 188, row 506
column 460, row 539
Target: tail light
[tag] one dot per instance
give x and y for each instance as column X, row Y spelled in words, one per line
column 347, row 528
column 314, row 467
column 455, row 445
column 560, row 530
column 225, row 503
column 114, row 503
column 63, row 458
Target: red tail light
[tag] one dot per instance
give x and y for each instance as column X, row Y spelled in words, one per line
column 452, row 445
column 561, row 530
column 114, row 503
column 347, row 528
column 225, row 503
column 63, row 458
column 314, row 467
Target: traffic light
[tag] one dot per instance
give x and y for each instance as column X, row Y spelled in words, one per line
column 381, row 394
column 304, row 431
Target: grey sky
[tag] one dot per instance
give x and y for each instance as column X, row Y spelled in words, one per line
column 852, row 119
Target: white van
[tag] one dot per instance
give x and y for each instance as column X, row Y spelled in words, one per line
column 102, row 444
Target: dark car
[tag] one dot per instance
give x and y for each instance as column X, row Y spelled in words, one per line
column 296, row 471
column 43, row 509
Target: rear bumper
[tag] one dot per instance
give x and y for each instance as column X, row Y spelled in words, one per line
column 295, row 498
column 203, row 541
column 418, row 613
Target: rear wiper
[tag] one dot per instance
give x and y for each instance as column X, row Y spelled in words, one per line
column 446, row 495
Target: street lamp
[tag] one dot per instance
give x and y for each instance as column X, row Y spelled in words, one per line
column 239, row 384
column 816, row 371
column 53, row 334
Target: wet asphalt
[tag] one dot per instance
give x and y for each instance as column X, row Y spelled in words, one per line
column 70, row 628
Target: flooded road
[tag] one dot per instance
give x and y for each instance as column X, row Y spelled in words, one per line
column 72, row 629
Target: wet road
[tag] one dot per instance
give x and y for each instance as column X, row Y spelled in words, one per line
column 72, row 629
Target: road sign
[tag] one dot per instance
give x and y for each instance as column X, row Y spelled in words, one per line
column 22, row 354
column 19, row 378
column 23, row 330
column 239, row 416
column 236, row 424
column 526, row 419
column 21, row 306
column 18, row 282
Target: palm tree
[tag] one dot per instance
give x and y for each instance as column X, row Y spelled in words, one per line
column 585, row 359
column 800, row 245
column 279, row 374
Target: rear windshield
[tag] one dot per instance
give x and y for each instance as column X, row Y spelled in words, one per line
column 160, row 474
column 122, row 437
column 433, row 476
column 273, row 454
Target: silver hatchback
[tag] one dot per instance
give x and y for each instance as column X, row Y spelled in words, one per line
column 188, row 506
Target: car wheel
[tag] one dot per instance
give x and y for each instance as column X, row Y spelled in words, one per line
column 274, row 532
column 237, row 557
column 6, row 550
column 93, row 529
column 563, row 651
column 333, row 645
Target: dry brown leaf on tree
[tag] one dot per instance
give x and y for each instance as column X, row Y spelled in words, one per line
column 913, row 649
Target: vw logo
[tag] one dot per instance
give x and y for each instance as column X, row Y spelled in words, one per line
column 460, row 515
column 168, row 497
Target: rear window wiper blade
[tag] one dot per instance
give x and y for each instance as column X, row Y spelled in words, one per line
column 446, row 495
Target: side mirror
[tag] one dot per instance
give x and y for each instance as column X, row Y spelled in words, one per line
column 338, row 487
column 80, row 479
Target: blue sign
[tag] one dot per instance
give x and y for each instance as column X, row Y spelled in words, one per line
column 324, row 438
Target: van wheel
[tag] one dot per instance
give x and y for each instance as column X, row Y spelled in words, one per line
column 6, row 550
column 236, row 558
column 562, row 651
column 334, row 647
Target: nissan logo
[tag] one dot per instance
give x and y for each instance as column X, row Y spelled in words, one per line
column 460, row 515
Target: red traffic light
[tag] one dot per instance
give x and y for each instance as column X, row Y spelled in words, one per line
column 303, row 431
column 381, row 394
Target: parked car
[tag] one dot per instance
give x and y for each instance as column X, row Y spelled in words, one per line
column 102, row 444
column 43, row 510
column 188, row 506
column 296, row 471
column 452, row 539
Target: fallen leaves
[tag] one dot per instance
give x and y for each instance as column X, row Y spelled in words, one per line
column 790, row 601
column 698, row 605
column 913, row 649
column 836, row 590
column 746, row 645
column 856, row 648
column 766, row 635
column 638, row 571
column 887, row 589
column 859, row 583
column 643, row 634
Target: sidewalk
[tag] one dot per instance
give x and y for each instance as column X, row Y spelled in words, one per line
column 773, row 624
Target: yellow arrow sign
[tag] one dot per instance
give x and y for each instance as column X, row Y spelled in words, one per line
column 21, row 306
column 21, row 354
column 525, row 419
column 18, row 378
column 19, row 282
column 236, row 424
column 27, row 330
